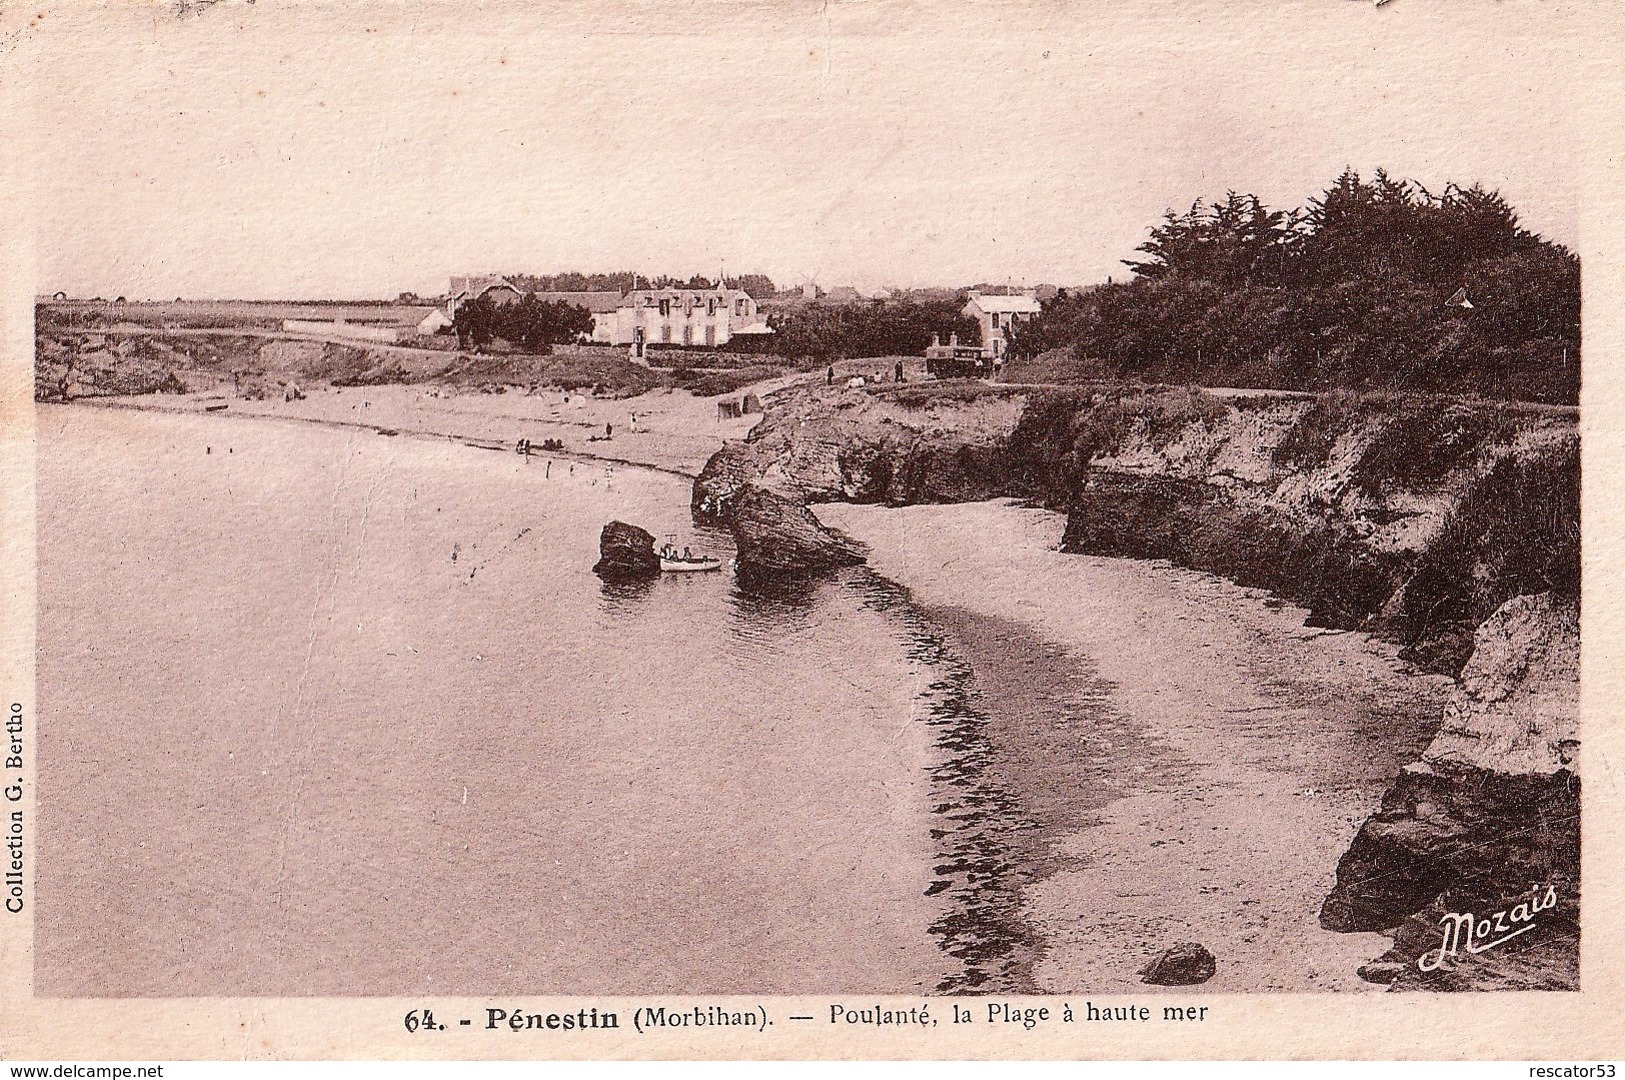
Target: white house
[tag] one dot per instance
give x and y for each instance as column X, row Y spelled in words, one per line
column 679, row 317
column 996, row 315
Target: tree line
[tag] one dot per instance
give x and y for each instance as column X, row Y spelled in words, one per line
column 759, row 286
column 1375, row 284
column 825, row 332
column 528, row 324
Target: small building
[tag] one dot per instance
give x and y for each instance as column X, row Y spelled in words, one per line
column 434, row 322
column 499, row 290
column 692, row 317
column 997, row 316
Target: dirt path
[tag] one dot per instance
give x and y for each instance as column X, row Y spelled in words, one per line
column 1237, row 752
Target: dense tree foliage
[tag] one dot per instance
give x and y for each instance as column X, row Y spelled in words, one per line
column 1376, row 284
column 826, row 332
column 624, row 281
column 529, row 324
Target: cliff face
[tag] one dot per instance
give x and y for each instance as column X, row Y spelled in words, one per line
column 1486, row 821
column 1448, row 525
column 1410, row 518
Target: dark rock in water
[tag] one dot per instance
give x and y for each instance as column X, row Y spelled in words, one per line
column 778, row 538
column 626, row 553
column 1185, row 964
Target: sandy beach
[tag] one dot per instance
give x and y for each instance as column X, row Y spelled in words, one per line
column 670, row 430
column 1196, row 759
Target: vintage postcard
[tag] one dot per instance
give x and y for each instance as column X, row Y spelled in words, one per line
column 811, row 529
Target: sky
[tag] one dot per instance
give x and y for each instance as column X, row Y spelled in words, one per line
column 312, row 150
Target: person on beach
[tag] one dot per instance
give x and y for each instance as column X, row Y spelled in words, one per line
column 829, row 376
column 609, row 431
column 897, row 375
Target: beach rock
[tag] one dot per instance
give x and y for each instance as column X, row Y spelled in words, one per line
column 626, row 553
column 1184, row 964
column 779, row 539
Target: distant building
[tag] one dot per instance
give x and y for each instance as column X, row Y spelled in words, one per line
column 997, row 315
column 434, row 322
column 679, row 317
column 499, row 290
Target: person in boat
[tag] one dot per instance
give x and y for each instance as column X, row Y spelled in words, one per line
column 688, row 556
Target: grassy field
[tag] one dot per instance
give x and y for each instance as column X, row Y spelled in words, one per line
column 228, row 314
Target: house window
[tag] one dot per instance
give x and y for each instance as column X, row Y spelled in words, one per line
column 665, row 333
column 665, row 307
column 739, row 307
column 711, row 307
column 711, row 334
column 688, row 335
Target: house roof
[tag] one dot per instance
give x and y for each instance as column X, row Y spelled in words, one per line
column 1021, row 304
column 596, row 302
column 479, row 284
column 683, row 295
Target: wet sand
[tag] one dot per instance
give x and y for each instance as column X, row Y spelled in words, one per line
column 1192, row 758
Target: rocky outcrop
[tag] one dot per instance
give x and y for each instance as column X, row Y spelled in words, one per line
column 1488, row 819
column 626, row 553
column 779, row 539
column 1410, row 518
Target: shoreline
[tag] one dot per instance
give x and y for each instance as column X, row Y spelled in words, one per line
column 125, row 403
column 676, row 433
column 1195, row 773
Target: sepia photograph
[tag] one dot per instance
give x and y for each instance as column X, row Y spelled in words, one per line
column 868, row 501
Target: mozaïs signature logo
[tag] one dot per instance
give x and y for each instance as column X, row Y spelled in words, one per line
column 1466, row 930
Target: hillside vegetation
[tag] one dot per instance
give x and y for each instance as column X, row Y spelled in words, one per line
column 1375, row 285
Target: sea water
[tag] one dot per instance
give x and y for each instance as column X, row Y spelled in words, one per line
column 331, row 712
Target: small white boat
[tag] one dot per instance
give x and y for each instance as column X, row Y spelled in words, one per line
column 691, row 565
column 683, row 561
